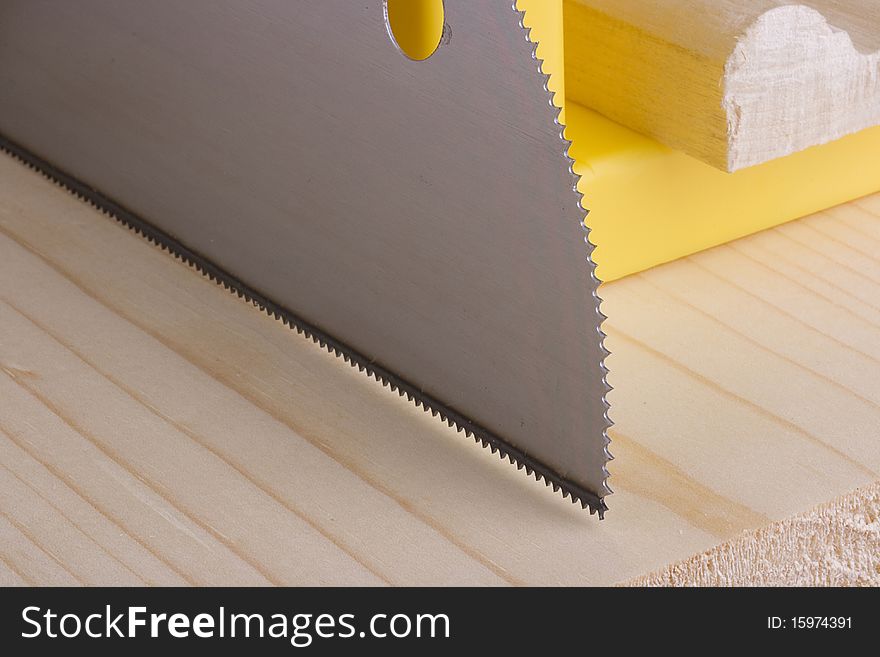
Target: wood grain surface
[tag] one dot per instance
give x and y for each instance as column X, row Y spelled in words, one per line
column 835, row 544
column 155, row 429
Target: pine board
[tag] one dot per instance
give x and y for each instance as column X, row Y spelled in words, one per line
column 156, row 429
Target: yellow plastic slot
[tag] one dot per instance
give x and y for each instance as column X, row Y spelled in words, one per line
column 650, row 204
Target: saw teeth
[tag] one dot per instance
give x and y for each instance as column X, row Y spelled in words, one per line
column 591, row 267
column 576, row 494
column 160, row 239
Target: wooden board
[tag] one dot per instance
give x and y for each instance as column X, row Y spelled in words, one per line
column 731, row 82
column 156, row 429
column 836, row 544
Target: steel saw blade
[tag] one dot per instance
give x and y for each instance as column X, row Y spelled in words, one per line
column 418, row 218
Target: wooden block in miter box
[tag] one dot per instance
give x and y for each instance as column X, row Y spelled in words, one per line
column 695, row 122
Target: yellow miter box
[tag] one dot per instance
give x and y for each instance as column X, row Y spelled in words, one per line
column 650, row 204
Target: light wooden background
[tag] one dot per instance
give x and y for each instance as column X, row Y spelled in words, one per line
column 154, row 429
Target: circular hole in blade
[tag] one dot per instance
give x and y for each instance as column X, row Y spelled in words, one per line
column 415, row 26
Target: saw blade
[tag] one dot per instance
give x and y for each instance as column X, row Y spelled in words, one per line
column 418, row 218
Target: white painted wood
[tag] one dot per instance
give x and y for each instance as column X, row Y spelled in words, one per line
column 732, row 82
